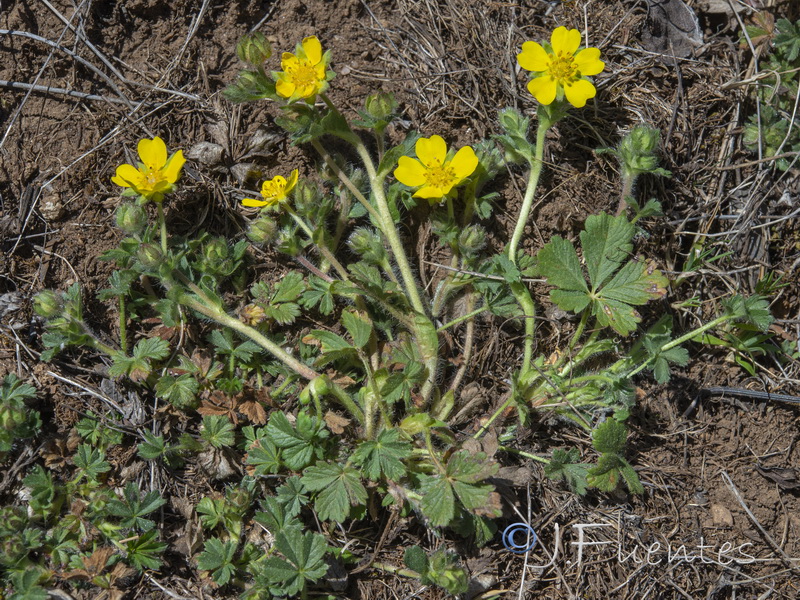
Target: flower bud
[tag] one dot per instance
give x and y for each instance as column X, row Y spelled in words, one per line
column 150, row 255
column 131, row 218
column 471, row 240
column 252, row 314
column 262, row 231
column 381, row 106
column 47, row 304
column 215, row 251
column 254, row 48
column 637, row 151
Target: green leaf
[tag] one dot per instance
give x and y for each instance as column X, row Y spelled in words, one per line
column 26, row 585
column 264, row 456
column 292, row 495
column 565, row 465
column 218, row 431
column 304, row 560
column 606, row 242
column 416, row 559
column 212, row 512
column 217, row 556
column 609, row 437
column 559, row 263
column 152, row 447
column 383, row 456
column 358, row 325
column 289, row 288
column 132, row 508
column 753, row 309
column 299, row 444
column 180, row 391
column 438, row 500
column 91, row 461
column 274, row 516
column 143, row 551
column 14, row 392
column 151, row 348
column 339, row 488
column 606, row 475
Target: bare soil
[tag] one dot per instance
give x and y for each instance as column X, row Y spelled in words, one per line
column 720, row 473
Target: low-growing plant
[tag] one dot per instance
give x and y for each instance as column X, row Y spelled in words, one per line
column 367, row 393
column 772, row 131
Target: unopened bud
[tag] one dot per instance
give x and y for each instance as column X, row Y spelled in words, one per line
column 262, row 231
column 254, row 48
column 47, row 304
column 381, row 106
column 150, row 255
column 472, row 239
column 131, row 218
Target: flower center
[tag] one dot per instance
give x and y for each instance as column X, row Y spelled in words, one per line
column 272, row 191
column 563, row 67
column 302, row 73
column 440, row 176
column 153, row 178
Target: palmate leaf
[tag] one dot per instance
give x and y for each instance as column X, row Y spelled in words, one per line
column 565, row 465
column 217, row 556
column 461, row 480
column 304, row 561
column 299, row 443
column 383, row 456
column 339, row 488
column 606, row 245
column 132, row 508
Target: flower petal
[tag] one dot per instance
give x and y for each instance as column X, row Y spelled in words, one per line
column 252, row 202
column 464, row 163
column 579, row 92
column 172, row 170
column 284, row 88
column 312, row 49
column 153, row 152
column 292, row 181
column 430, row 191
column 533, row 57
column 410, row 172
column 288, row 61
column 128, row 176
column 431, row 151
column 565, row 40
column 588, row 61
column 543, row 89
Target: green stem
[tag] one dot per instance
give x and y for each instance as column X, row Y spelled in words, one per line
column 540, row 459
column 348, row 183
column 677, row 342
column 389, row 230
column 208, row 309
column 485, row 427
column 533, row 182
column 123, row 332
column 523, row 296
column 463, row 318
column 323, row 250
column 162, row 226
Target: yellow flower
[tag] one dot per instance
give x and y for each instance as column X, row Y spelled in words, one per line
column 156, row 174
column 275, row 191
column 432, row 172
column 560, row 70
column 305, row 74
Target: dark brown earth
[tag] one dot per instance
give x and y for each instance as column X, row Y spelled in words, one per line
column 720, row 474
